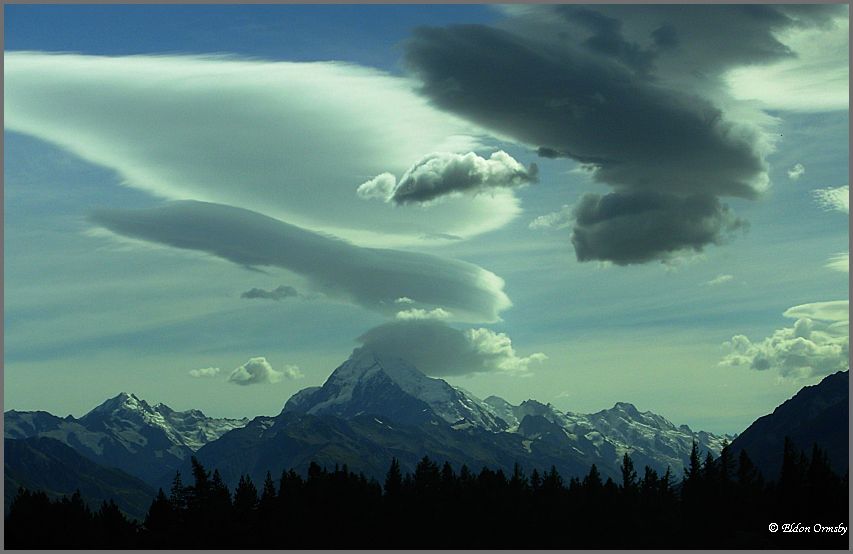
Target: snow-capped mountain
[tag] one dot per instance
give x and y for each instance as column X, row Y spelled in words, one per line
column 368, row 383
column 372, row 407
column 649, row 438
column 126, row 432
column 126, row 416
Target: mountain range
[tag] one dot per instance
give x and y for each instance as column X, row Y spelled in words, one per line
column 126, row 432
column 373, row 408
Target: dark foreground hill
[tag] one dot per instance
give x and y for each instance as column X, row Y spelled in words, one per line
column 816, row 414
column 48, row 465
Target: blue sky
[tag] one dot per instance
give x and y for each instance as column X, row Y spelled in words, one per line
column 101, row 297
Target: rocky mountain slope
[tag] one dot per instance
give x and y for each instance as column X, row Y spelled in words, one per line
column 816, row 414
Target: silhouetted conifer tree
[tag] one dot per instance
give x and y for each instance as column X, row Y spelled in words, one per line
column 393, row 479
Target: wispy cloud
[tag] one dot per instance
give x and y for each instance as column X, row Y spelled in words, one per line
column 839, row 262
column 719, row 280
column 837, row 199
column 796, row 172
column 281, row 138
column 417, row 313
column 554, row 220
column 278, row 293
column 369, row 277
column 204, row 372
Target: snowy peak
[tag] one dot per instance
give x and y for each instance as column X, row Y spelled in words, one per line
column 369, row 383
column 121, row 402
column 136, row 423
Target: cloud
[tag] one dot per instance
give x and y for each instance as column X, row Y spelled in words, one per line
column 796, row 172
column 204, row 372
column 417, row 313
column 837, row 198
column 837, row 310
column 839, row 262
column 282, row 291
column 380, row 187
column 635, row 93
column 554, row 220
column 815, row 80
column 439, row 175
column 292, row 372
column 290, row 140
column 404, row 300
column 816, row 345
column 369, row 277
column 440, row 350
column 719, row 280
column 258, row 371
column 633, row 228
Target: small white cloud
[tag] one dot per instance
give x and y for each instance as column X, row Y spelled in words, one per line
column 380, row 187
column 417, row 313
column 816, row 345
column 497, row 351
column 839, row 262
column 292, row 372
column 719, row 280
column 443, row 174
column 796, row 172
column 256, row 371
column 554, row 220
column 837, row 198
column 204, row 372
column 404, row 300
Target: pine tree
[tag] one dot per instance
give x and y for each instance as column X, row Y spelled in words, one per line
column 629, row 475
column 726, row 465
column 178, row 494
column 220, row 496
column 160, row 524
column 518, row 482
column 650, row 485
column 393, row 479
column 199, row 492
column 245, row 496
column 792, row 477
column 592, row 482
column 747, row 474
column 535, row 480
column 268, row 495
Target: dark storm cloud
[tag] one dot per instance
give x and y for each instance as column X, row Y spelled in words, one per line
column 623, row 89
column 370, row 277
column 283, row 291
column 437, row 349
column 629, row 228
column 638, row 134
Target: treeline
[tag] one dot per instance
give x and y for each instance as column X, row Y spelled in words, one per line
column 718, row 503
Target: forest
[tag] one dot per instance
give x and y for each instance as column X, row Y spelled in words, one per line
column 721, row 502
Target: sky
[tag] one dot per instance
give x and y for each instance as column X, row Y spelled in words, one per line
column 212, row 206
